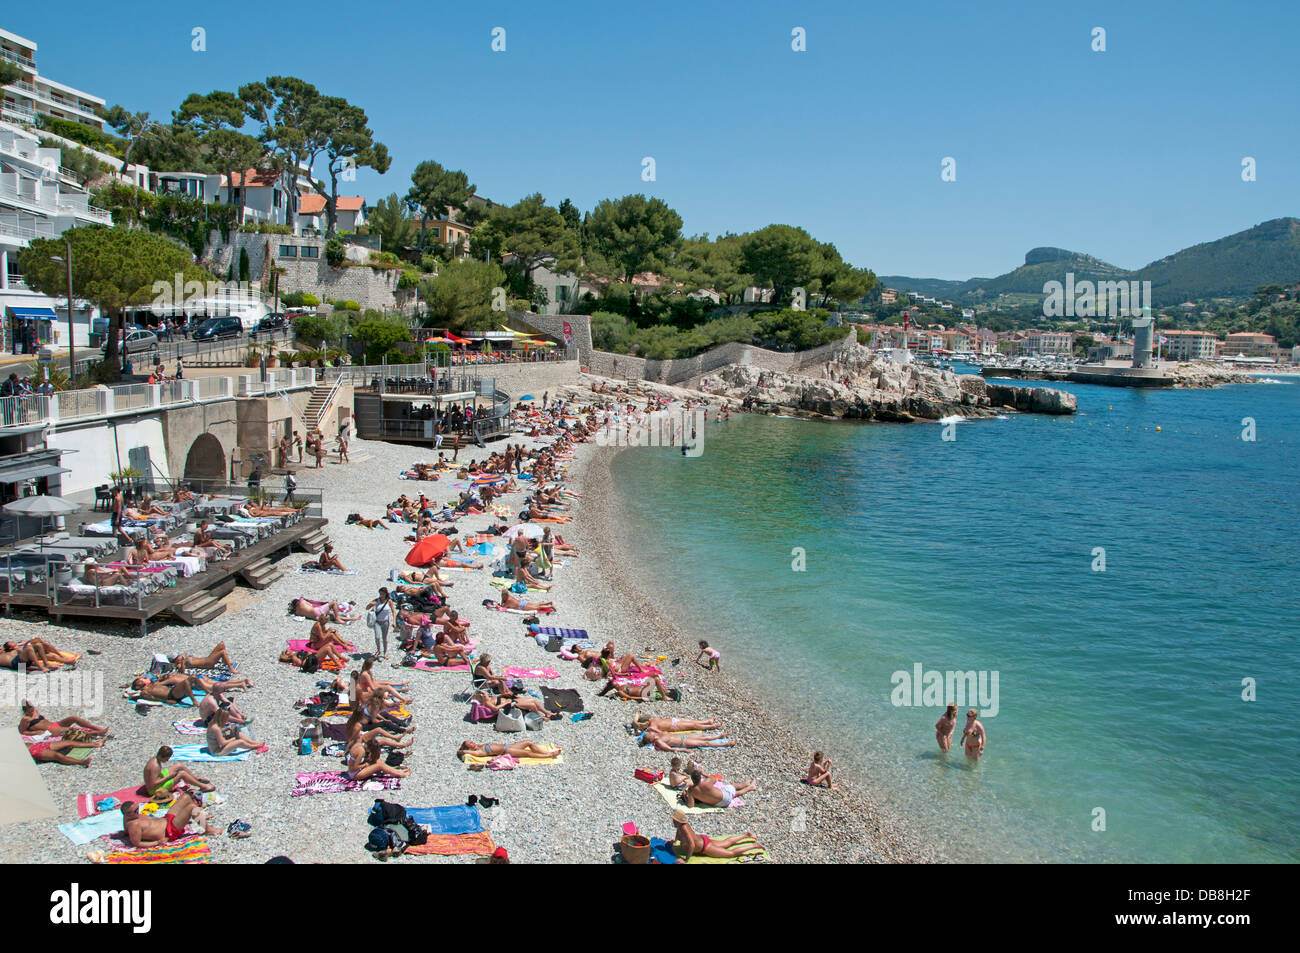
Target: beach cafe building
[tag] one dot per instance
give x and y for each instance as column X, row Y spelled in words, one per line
column 34, row 322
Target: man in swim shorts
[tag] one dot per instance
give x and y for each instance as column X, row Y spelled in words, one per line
column 144, row 831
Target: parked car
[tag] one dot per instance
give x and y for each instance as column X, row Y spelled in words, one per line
column 215, row 328
column 276, row 321
column 136, row 341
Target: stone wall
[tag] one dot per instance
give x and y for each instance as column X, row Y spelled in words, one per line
column 536, row 379
column 553, row 324
column 368, row 287
column 690, row 369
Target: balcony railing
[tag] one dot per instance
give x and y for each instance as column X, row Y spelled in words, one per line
column 18, row 58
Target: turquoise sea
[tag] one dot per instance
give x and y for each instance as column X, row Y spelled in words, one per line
column 1118, row 690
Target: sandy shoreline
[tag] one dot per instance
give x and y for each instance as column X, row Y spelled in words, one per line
column 570, row 812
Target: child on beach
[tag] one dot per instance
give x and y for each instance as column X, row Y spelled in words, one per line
column 945, row 726
column 713, row 664
column 819, row 772
column 677, row 778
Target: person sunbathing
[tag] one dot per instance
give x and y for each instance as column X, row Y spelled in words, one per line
column 677, row 741
column 456, row 630
column 55, row 751
column 171, row 692
column 331, row 611
column 558, row 546
column 211, row 547
column 260, row 511
column 30, row 653
column 484, row 678
column 202, row 682
column 649, row 690
column 182, row 494
column 687, row 843
column 641, row 721
column 160, row 779
column 328, row 560
column 145, row 831
column 714, row 792
column 356, row 735
column 216, row 701
column 143, row 553
column 446, row 652
column 32, row 722
column 218, row 656
column 519, row 749
column 148, row 508
column 367, row 686
column 523, row 702
column 512, row 601
column 368, row 524
column 364, row 761
column 324, row 652
column 223, row 740
column 321, row 636
column 92, row 574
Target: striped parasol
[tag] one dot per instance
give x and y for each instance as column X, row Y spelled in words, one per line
column 488, row 479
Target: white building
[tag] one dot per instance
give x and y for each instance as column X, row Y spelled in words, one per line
column 37, row 200
column 1189, row 345
column 33, row 94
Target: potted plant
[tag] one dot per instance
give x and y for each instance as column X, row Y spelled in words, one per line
column 252, row 358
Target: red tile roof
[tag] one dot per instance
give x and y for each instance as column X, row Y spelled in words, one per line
column 313, row 204
column 255, row 179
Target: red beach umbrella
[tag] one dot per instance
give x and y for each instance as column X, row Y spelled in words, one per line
column 427, row 550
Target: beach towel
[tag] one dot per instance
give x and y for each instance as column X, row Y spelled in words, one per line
column 503, row 583
column 574, row 635
column 188, row 850
column 512, row 672
column 522, row 762
column 431, row 665
column 661, row 851
column 345, row 711
column 135, row 699
column 58, row 659
column 86, row 802
column 304, row 570
column 498, row 607
column 200, row 753
column 675, row 801
column 189, row 728
column 452, row 845
column 96, row 825
column 561, row 700
column 300, row 645
column 459, row 819
column 333, row 782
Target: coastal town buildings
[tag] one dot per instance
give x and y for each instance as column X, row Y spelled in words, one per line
column 1189, row 345
column 1249, row 344
column 1049, row 342
column 38, row 199
column 33, row 95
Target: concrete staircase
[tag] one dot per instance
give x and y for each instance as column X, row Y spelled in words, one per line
column 319, row 404
column 203, row 606
column 314, row 541
column 260, row 573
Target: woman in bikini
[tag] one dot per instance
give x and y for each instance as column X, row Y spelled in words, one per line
column 688, row 843
column 641, row 721
column 670, row 741
column 355, row 734
column 974, row 736
column 32, row 722
column 218, row 656
column 328, row 560
column 159, row 779
column 223, row 740
column 523, row 702
column 519, row 749
column 368, row 685
column 206, row 543
column 331, row 611
column 365, row 761
column 945, row 726
column 54, row 750
column 174, row 692
column 321, row 635
column 512, row 601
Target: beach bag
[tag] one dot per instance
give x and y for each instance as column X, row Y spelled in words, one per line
column 386, row 812
column 370, row 618
column 415, row 833
column 533, row 721
column 634, row 849
column 480, row 712
column 554, row 644
column 311, row 664
column 518, row 588
column 649, row 777
column 511, row 719
column 380, row 839
column 395, row 759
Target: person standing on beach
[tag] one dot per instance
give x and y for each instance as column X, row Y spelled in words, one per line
column 714, row 662
column 297, row 443
column 974, row 736
column 383, row 617
column 180, row 367
column 945, row 726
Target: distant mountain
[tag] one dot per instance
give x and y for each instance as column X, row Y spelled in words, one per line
column 1229, row 267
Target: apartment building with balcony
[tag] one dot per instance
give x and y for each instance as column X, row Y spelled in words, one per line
column 1049, row 342
column 32, row 94
column 1189, row 345
column 38, row 199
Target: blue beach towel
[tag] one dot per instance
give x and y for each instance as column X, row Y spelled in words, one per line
column 461, row 819
column 97, row 825
column 200, row 753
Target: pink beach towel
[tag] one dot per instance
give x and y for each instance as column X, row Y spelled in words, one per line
column 86, row 802
column 300, row 645
column 333, row 782
column 429, row 665
column 531, row 672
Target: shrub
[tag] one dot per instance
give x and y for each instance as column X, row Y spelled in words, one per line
column 335, row 254
column 394, row 356
column 243, row 264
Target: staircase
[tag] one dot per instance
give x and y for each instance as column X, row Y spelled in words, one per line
column 260, row 573
column 314, row 541
column 199, row 608
column 322, row 398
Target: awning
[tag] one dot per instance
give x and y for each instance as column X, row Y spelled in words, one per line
column 32, row 314
column 18, row 472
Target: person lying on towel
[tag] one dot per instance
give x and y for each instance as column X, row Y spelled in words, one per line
column 144, row 831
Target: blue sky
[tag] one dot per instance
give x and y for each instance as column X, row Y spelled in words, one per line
column 1128, row 155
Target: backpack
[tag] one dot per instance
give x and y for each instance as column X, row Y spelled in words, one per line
column 385, row 812
column 415, row 833
column 386, row 838
column 311, row 663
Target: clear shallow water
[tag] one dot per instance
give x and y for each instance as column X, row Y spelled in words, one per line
column 1118, row 690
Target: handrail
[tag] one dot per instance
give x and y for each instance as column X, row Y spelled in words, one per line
column 329, row 401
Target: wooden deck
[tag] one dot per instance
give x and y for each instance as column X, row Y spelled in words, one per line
column 219, row 576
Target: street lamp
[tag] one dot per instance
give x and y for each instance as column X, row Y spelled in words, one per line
column 72, row 354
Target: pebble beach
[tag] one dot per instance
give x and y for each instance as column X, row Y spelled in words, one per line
column 569, row 812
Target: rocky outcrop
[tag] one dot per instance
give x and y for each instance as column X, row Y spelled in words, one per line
column 1032, row 400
